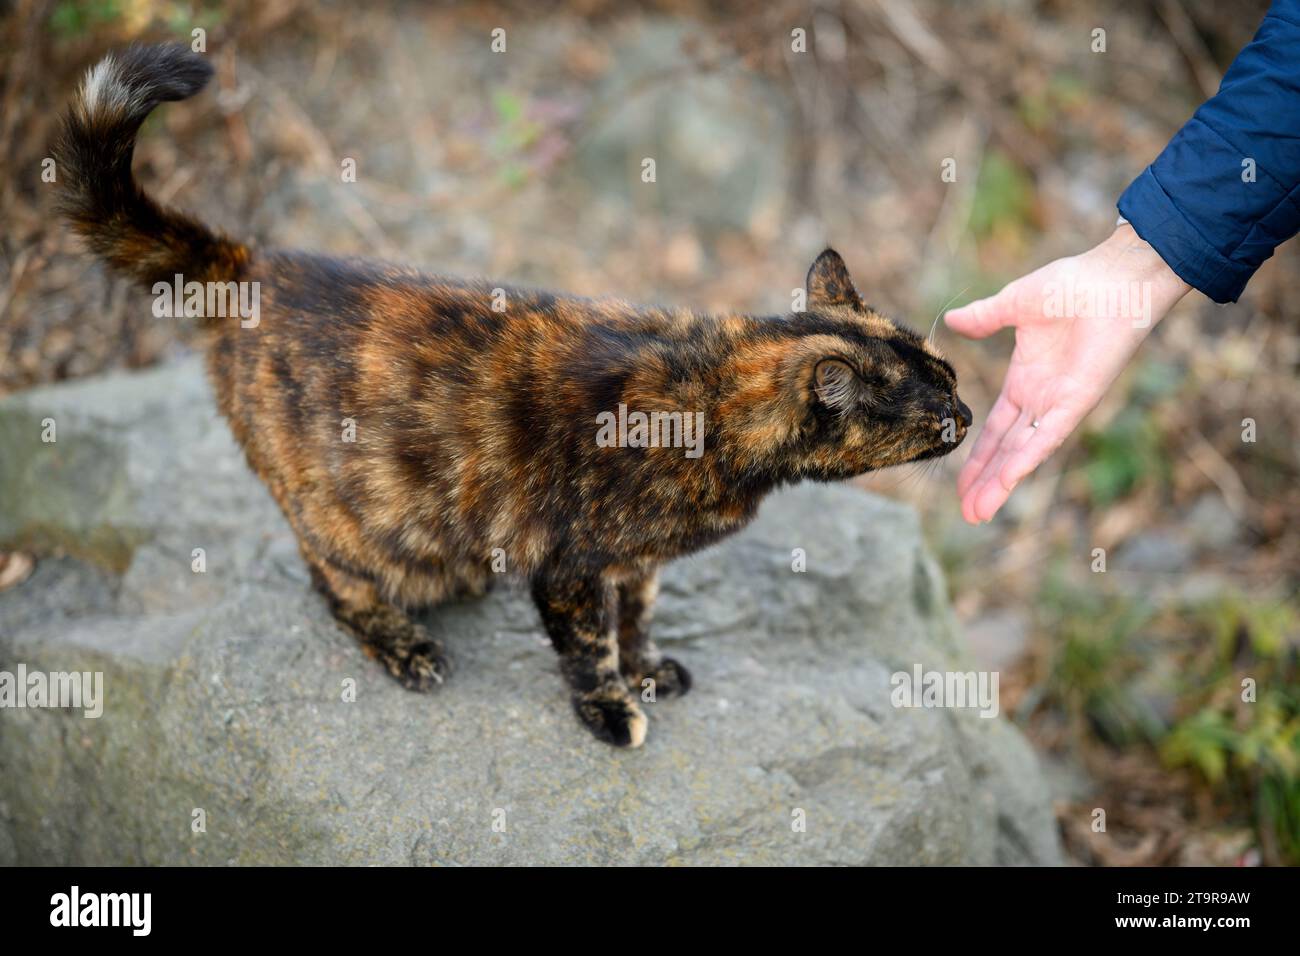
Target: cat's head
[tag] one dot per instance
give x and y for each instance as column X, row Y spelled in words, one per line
column 853, row 391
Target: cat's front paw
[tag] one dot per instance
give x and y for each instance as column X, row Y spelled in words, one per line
column 612, row 714
column 668, row 678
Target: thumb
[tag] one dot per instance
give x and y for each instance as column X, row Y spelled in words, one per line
column 983, row 317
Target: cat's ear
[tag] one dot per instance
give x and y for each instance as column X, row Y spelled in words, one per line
column 829, row 283
column 815, row 371
column 837, row 386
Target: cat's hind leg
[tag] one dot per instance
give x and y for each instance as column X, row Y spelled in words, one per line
column 386, row 633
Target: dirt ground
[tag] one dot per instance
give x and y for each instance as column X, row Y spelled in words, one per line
column 525, row 165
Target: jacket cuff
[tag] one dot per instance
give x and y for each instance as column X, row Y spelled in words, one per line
column 1157, row 220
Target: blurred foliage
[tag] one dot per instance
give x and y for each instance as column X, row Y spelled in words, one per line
column 1095, row 659
column 1241, row 731
column 76, row 17
column 1234, row 714
column 515, row 133
column 1132, row 448
column 1127, row 451
column 1003, row 197
column 1040, row 109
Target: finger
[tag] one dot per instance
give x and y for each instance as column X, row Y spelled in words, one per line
column 983, row 317
column 1051, row 432
column 975, row 503
column 992, row 455
column 1000, row 418
column 988, row 499
column 1025, row 452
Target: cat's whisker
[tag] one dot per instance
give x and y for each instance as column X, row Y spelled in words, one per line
column 930, row 338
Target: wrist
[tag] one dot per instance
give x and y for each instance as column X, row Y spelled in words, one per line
column 1132, row 262
column 1133, row 257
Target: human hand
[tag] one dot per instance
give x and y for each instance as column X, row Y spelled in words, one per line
column 1078, row 321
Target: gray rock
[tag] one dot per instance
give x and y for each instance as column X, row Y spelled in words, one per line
column 224, row 691
column 1211, row 524
column 999, row 638
column 1156, row 551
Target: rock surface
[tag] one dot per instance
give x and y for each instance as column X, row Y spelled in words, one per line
column 224, row 690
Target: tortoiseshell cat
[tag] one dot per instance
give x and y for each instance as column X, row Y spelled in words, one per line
column 476, row 429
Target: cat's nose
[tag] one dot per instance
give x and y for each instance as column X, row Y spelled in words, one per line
column 963, row 412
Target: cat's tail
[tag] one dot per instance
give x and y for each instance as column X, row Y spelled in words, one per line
column 92, row 155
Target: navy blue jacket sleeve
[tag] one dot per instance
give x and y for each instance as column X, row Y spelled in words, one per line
column 1196, row 204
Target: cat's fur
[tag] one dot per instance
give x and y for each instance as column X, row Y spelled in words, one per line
column 475, row 429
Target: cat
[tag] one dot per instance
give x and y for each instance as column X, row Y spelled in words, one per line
column 481, row 416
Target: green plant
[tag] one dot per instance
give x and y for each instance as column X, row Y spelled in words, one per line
column 516, row 133
column 1003, row 194
column 1242, row 729
column 1096, row 660
column 1128, row 450
column 1235, row 713
column 72, row 18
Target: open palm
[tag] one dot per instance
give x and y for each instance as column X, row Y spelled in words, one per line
column 1078, row 321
